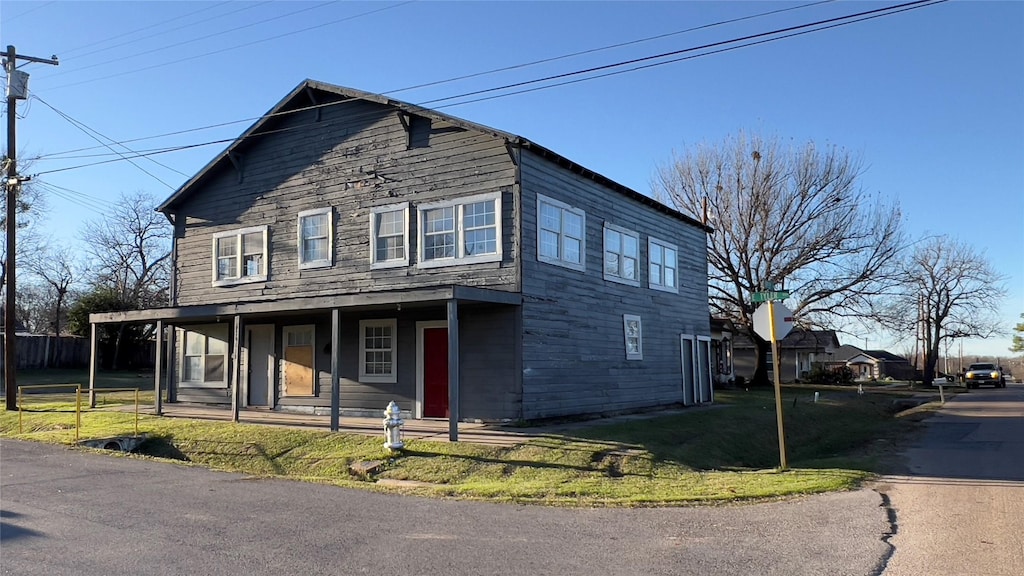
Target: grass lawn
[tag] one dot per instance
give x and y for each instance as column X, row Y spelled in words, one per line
column 728, row 452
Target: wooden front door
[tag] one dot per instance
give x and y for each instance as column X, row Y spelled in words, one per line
column 260, row 364
column 435, row 372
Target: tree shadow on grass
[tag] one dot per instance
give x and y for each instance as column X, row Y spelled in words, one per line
column 161, row 447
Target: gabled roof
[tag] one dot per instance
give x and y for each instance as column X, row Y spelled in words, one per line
column 848, row 352
column 305, row 88
column 818, row 339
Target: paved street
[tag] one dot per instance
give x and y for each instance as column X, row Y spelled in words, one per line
column 66, row 512
column 960, row 508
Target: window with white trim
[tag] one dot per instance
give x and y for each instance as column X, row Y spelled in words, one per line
column 662, row 265
column 240, row 256
column 205, row 355
column 621, row 255
column 389, row 239
column 561, row 234
column 463, row 231
column 316, row 232
column 633, row 331
column 377, row 340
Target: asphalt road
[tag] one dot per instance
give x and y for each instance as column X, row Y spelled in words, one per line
column 69, row 512
column 960, row 507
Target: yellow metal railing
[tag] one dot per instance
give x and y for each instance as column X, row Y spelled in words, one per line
column 78, row 403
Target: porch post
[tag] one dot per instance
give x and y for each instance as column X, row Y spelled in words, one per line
column 453, row 370
column 157, row 365
column 335, row 368
column 92, row 365
column 172, row 392
column 236, row 365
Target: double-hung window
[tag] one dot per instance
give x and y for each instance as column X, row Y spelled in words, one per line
column 561, row 234
column 463, row 231
column 377, row 350
column 662, row 265
column 389, row 239
column 316, row 229
column 240, row 256
column 621, row 255
column 633, row 331
column 205, row 356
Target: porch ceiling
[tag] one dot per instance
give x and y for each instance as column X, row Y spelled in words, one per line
column 437, row 295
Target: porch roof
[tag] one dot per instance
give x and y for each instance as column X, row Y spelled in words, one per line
column 422, row 296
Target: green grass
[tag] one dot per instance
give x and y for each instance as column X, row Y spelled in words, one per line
column 727, row 452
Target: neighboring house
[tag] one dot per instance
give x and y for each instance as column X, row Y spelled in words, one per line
column 800, row 352
column 349, row 249
column 873, row 364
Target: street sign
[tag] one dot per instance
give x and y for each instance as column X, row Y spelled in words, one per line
column 767, row 295
column 783, row 321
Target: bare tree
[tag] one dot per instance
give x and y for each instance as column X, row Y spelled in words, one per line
column 950, row 291
column 786, row 215
column 130, row 254
column 30, row 209
column 56, row 268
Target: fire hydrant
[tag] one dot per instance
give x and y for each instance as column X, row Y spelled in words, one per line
column 393, row 427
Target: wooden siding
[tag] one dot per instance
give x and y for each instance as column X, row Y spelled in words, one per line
column 574, row 357
column 353, row 159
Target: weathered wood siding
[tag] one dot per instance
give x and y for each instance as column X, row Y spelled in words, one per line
column 574, row 358
column 356, row 157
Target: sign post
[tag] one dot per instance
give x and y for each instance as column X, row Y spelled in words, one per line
column 772, row 321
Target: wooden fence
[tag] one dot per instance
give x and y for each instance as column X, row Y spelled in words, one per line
column 42, row 351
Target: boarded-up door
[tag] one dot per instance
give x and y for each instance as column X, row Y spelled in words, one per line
column 435, row 372
column 689, row 381
column 298, row 361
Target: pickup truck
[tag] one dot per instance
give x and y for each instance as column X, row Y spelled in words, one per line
column 984, row 373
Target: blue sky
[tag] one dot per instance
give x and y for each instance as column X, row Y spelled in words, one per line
column 932, row 99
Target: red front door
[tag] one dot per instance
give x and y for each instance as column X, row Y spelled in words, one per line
column 435, row 372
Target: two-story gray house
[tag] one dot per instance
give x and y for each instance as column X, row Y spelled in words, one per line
column 349, row 249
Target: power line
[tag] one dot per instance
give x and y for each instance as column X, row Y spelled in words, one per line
column 29, row 11
column 89, row 132
column 474, row 75
column 603, row 48
column 236, row 47
column 190, row 41
column 77, row 198
column 800, row 30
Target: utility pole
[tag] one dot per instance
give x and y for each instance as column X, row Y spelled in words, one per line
column 17, row 89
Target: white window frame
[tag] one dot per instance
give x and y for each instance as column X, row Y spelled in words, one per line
column 391, row 378
column 183, row 334
column 653, row 245
column 460, row 257
column 375, row 213
column 238, row 235
column 626, row 319
column 624, row 233
column 329, row 251
column 559, row 260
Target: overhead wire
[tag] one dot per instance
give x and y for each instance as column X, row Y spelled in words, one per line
column 29, row 11
column 235, row 47
column 77, row 198
column 801, row 29
column 474, row 75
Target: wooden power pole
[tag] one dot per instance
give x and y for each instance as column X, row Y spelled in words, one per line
column 17, row 89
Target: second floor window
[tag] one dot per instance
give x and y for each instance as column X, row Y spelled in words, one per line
column 561, row 236
column 663, row 265
column 463, row 231
column 621, row 255
column 240, row 256
column 315, row 234
column 389, row 242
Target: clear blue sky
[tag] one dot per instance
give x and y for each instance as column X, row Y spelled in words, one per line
column 931, row 99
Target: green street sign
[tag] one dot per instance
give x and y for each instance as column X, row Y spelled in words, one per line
column 773, row 295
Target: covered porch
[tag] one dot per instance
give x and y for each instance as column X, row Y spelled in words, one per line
column 410, row 344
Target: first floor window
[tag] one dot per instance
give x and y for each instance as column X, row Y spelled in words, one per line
column 389, row 242
column 240, row 256
column 621, row 255
column 377, row 350
column 634, row 337
column 462, row 231
column 315, row 234
column 561, row 232
column 204, row 358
